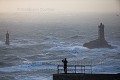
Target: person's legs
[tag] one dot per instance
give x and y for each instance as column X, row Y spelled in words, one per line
column 65, row 69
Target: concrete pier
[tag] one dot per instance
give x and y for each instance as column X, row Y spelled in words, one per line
column 79, row 76
column 82, row 72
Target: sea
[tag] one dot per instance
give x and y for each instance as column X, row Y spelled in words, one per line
column 39, row 42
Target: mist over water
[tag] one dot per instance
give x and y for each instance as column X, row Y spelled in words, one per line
column 41, row 41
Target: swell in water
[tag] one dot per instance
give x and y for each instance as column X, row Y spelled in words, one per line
column 38, row 49
column 51, row 53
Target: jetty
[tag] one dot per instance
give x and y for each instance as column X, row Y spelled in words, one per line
column 81, row 72
column 79, row 76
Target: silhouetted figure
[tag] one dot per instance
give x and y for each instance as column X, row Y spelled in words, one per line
column 65, row 65
column 7, row 42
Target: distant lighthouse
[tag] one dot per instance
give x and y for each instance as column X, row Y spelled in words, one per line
column 7, row 42
column 101, row 32
column 100, row 42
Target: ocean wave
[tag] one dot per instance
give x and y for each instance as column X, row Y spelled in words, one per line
column 53, row 43
column 35, row 57
column 47, row 57
column 50, row 43
column 5, row 77
column 19, row 43
column 11, row 60
column 34, row 77
column 77, row 37
column 27, row 67
column 106, row 69
column 23, row 42
column 50, row 38
column 4, row 64
column 2, row 43
column 68, row 48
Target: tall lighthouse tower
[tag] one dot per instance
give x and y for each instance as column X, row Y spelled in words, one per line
column 101, row 32
column 7, row 42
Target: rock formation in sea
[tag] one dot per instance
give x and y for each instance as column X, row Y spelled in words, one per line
column 100, row 42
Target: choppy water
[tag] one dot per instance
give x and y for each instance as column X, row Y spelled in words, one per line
column 37, row 45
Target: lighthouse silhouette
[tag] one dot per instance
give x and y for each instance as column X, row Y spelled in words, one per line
column 101, row 32
column 7, row 42
column 100, row 42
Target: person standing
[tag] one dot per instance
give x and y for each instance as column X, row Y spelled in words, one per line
column 65, row 65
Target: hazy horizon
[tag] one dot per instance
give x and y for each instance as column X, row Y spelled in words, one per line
column 44, row 32
column 60, row 6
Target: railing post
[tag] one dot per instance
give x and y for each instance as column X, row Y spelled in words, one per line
column 91, row 69
column 84, row 69
column 81, row 69
column 75, row 68
column 58, row 69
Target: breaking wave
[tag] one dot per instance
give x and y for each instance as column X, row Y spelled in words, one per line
column 11, row 60
column 77, row 37
column 23, row 42
column 68, row 48
column 20, row 43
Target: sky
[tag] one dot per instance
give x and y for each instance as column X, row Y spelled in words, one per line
column 64, row 6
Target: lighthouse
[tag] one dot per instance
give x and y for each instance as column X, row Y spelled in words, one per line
column 7, row 42
column 101, row 32
column 100, row 42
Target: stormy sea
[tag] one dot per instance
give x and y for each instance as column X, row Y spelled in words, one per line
column 39, row 43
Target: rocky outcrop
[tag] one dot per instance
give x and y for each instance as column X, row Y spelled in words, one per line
column 97, row 44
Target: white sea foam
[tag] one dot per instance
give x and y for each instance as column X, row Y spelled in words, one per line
column 68, row 48
column 27, row 67
column 106, row 69
column 34, row 77
column 19, row 43
column 2, row 43
column 23, row 42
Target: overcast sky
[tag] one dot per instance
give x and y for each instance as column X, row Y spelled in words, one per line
column 72, row 6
